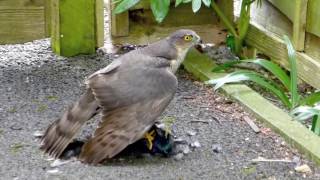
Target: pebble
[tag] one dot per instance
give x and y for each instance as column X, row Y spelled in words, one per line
column 186, row 150
column 178, row 156
column 58, row 162
column 195, row 144
column 191, row 133
column 303, row 169
column 53, row 171
column 38, row 134
column 180, row 141
column 217, row 148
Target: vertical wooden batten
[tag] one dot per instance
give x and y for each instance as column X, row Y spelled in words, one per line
column 299, row 24
column 76, row 26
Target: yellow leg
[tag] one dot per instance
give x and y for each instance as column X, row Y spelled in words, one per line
column 149, row 136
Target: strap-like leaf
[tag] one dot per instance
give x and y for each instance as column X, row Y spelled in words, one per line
column 196, row 5
column 178, row 2
column 160, row 9
column 293, row 72
column 311, row 99
column 125, row 5
column 274, row 69
column 239, row 76
column 207, row 2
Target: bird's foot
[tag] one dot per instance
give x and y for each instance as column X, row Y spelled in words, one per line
column 149, row 136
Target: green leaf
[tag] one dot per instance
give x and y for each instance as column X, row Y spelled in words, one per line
column 196, row 5
column 311, row 99
column 293, row 72
column 274, row 69
column 316, row 124
column 207, row 2
column 239, row 76
column 304, row 112
column 125, row 5
column 186, row 1
column 230, row 42
column 178, row 2
column 160, row 9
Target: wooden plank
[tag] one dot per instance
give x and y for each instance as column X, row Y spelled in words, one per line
column 313, row 20
column 312, row 47
column 21, row 24
column 22, row 3
column 296, row 134
column 299, row 24
column 119, row 23
column 77, row 32
column 287, row 7
column 273, row 46
column 99, row 23
column 55, row 26
column 47, row 12
column 271, row 19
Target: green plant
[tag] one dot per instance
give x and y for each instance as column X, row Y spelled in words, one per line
column 237, row 33
column 303, row 113
column 288, row 83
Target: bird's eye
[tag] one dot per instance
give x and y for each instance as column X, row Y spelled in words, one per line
column 187, row 37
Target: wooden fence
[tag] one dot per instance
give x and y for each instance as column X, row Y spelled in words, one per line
column 298, row 19
column 22, row 20
column 75, row 26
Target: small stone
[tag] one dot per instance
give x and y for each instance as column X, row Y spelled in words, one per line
column 186, row 150
column 58, row 162
column 303, row 169
column 53, row 171
column 180, row 141
column 191, row 133
column 217, row 148
column 296, row 160
column 178, row 156
column 38, row 134
column 195, row 144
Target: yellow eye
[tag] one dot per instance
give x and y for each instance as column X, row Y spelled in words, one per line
column 187, row 37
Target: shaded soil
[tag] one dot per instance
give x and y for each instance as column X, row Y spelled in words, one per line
column 36, row 86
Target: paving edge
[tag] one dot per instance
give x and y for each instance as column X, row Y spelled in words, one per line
column 279, row 121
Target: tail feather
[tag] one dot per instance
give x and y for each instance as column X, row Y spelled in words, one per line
column 61, row 132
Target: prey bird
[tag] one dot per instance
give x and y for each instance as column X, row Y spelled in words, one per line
column 131, row 93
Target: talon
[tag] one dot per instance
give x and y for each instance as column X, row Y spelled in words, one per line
column 149, row 136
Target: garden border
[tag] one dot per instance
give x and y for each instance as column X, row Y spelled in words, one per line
column 292, row 131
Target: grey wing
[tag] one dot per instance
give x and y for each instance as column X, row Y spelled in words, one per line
column 131, row 99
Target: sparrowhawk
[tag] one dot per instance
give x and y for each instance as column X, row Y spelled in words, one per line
column 130, row 93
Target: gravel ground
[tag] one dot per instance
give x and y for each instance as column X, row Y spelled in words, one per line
column 36, row 86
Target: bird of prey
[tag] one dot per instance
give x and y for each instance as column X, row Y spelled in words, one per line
column 131, row 93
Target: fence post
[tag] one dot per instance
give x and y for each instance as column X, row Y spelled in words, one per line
column 76, row 26
column 299, row 24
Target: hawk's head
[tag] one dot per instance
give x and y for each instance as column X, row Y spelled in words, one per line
column 184, row 39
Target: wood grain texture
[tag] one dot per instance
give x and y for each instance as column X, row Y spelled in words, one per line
column 313, row 20
column 22, row 3
column 47, row 15
column 21, row 24
column 299, row 24
column 55, row 26
column 99, row 23
column 77, row 27
column 287, row 7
